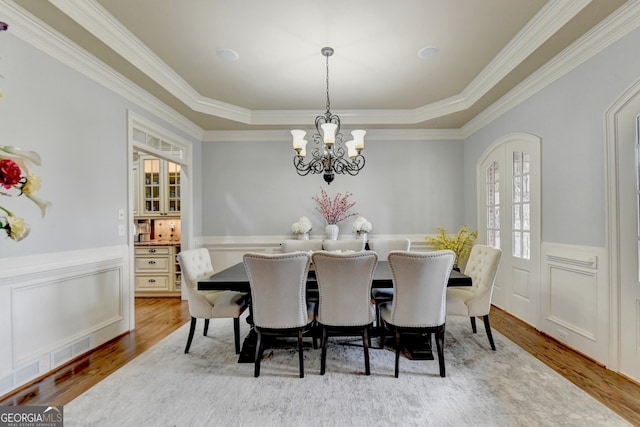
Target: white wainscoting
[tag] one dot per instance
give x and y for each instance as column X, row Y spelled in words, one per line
column 57, row 306
column 228, row 251
column 575, row 298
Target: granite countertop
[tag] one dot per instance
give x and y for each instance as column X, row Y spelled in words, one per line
column 158, row 243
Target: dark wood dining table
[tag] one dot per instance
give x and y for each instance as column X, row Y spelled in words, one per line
column 235, row 278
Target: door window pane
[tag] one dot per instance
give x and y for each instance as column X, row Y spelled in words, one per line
column 521, row 205
column 493, row 202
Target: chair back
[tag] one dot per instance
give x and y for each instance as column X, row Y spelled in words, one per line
column 419, row 286
column 344, row 285
column 482, row 267
column 278, row 289
column 383, row 246
column 195, row 264
column 293, row 245
column 355, row 245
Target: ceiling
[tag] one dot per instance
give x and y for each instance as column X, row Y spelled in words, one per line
column 169, row 48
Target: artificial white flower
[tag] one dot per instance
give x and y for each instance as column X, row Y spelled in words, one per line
column 361, row 225
column 303, row 225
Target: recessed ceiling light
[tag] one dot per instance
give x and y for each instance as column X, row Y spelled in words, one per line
column 428, row 52
column 227, row 54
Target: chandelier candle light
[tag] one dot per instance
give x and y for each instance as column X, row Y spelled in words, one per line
column 330, row 155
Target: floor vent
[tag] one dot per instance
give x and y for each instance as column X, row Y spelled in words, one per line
column 27, row 373
column 62, row 356
column 81, row 346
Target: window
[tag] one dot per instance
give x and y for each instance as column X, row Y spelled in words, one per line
column 493, row 204
column 521, row 206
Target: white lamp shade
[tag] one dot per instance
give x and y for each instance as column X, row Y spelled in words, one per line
column 358, row 137
column 298, row 139
column 303, row 149
column 351, row 148
column 329, row 132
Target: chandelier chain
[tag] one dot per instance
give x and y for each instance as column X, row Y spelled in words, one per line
column 328, row 101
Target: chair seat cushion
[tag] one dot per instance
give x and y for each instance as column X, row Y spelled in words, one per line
column 355, row 321
column 457, row 299
column 311, row 311
column 227, row 303
column 382, row 294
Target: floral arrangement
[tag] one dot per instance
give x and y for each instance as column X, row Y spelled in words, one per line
column 303, row 225
column 361, row 225
column 460, row 243
column 334, row 210
column 16, row 180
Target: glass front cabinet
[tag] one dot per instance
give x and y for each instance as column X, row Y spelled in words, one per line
column 160, row 185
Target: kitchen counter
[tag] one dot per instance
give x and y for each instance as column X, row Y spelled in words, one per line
column 158, row 243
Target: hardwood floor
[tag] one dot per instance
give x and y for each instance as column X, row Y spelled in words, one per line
column 158, row 317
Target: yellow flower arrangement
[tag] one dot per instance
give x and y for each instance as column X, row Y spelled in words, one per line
column 460, row 243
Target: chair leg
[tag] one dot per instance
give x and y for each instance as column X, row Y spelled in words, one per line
column 300, row 355
column 487, row 327
column 206, row 327
column 397, row 352
column 236, row 333
column 382, row 334
column 323, row 354
column 258, row 355
column 192, row 330
column 473, row 324
column 440, row 346
column 366, row 344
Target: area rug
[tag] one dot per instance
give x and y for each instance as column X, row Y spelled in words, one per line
column 207, row 387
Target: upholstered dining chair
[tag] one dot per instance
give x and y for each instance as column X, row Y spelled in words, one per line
column 355, row 245
column 311, row 245
column 293, row 245
column 419, row 300
column 196, row 264
column 475, row 301
column 278, row 297
column 344, row 284
column 382, row 247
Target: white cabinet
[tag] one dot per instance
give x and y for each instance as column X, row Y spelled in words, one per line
column 156, row 273
column 160, row 187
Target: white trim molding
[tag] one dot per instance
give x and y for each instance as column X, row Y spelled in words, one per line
column 57, row 306
column 575, row 298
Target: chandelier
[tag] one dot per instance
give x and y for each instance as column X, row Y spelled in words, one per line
column 329, row 155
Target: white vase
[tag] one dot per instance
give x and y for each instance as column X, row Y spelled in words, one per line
column 332, row 231
column 303, row 236
column 363, row 235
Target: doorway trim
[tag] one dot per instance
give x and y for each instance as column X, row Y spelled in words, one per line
column 168, row 146
column 613, row 218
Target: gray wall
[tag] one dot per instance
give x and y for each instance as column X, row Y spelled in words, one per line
column 406, row 187
column 568, row 116
column 79, row 128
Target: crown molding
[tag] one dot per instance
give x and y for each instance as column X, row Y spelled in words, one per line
column 95, row 19
column 33, row 31
column 618, row 24
column 38, row 34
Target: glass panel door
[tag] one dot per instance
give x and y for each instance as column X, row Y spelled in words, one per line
column 151, row 168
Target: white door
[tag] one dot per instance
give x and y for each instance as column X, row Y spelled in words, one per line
column 626, row 162
column 508, row 177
